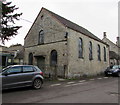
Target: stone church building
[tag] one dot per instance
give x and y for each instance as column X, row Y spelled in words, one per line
column 73, row 51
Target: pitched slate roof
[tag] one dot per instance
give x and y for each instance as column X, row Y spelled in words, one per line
column 74, row 26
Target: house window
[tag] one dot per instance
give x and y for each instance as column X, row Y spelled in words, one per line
column 99, row 52
column 90, row 51
column 104, row 54
column 41, row 37
column 30, row 59
column 80, row 46
column 53, row 58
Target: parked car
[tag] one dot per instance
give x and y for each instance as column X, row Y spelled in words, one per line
column 21, row 76
column 114, row 71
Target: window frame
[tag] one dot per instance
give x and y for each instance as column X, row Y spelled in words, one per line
column 53, row 61
column 80, row 48
column 30, row 58
column 90, row 51
column 105, row 56
column 41, row 37
column 99, row 52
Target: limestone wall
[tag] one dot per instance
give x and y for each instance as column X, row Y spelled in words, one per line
column 78, row 66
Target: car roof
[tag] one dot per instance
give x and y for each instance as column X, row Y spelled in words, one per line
column 19, row 65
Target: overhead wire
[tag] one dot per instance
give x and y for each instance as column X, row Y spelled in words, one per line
column 42, row 27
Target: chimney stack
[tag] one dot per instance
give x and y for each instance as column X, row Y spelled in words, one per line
column 118, row 41
column 104, row 34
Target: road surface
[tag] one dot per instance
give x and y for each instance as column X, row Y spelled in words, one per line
column 95, row 90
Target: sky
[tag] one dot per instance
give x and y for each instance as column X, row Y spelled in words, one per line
column 97, row 16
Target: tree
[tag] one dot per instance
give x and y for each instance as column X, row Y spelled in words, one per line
column 8, row 18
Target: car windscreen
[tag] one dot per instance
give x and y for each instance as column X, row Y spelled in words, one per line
column 5, row 68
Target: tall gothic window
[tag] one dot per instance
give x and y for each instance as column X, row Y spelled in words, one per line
column 99, row 52
column 41, row 37
column 104, row 54
column 53, row 58
column 90, row 51
column 80, row 48
column 30, row 59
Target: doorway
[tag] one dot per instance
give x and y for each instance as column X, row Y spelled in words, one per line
column 41, row 62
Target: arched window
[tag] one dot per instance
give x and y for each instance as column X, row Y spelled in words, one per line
column 99, row 52
column 53, row 58
column 30, row 59
column 90, row 51
column 41, row 37
column 80, row 48
column 104, row 54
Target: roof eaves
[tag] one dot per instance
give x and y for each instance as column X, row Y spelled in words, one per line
column 88, row 36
